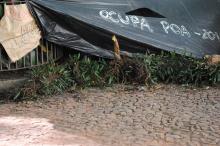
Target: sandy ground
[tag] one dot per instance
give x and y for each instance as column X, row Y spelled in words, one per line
column 118, row 116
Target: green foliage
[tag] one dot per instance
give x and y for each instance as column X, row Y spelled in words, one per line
column 173, row 68
column 45, row 80
column 51, row 79
column 144, row 69
column 128, row 71
column 150, row 69
column 88, row 72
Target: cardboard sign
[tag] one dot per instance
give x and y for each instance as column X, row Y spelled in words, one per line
column 19, row 33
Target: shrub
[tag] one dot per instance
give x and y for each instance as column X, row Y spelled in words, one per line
column 88, row 72
column 145, row 69
column 51, row 79
column 173, row 68
column 128, row 71
column 46, row 80
column 150, row 69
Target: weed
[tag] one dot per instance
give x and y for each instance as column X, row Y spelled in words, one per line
column 51, row 79
column 45, row 80
column 177, row 69
column 128, row 71
column 142, row 69
column 87, row 72
column 145, row 69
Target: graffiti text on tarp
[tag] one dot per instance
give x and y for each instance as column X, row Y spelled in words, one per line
column 210, row 35
column 178, row 30
column 182, row 30
column 143, row 24
column 126, row 20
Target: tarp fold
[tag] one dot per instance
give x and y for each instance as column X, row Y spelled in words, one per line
column 189, row 27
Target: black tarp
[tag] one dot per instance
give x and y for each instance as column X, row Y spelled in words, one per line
column 184, row 26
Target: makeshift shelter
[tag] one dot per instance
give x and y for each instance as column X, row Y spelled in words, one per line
column 191, row 27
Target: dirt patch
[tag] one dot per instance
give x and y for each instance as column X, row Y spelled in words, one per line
column 118, row 116
column 22, row 131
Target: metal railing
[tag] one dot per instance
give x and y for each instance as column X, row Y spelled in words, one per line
column 41, row 55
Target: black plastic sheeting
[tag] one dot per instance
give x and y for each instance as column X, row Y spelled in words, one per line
column 191, row 27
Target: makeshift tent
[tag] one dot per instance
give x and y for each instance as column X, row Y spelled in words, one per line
column 183, row 26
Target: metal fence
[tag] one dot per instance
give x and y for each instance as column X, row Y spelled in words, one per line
column 41, row 55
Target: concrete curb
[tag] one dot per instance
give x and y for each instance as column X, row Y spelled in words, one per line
column 10, row 84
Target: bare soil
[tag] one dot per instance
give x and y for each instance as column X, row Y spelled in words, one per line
column 168, row 115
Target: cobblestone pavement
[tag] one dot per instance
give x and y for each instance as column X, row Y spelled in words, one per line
column 168, row 116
